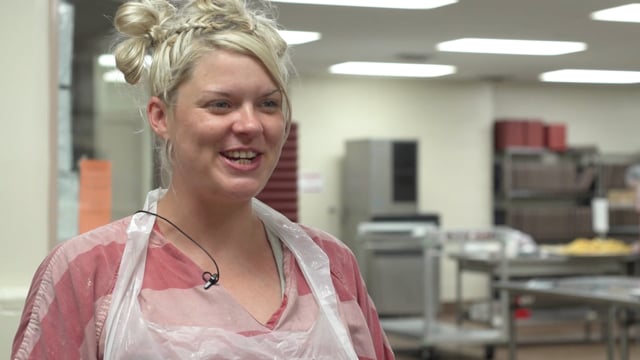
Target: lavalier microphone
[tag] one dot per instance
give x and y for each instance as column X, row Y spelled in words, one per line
column 209, row 278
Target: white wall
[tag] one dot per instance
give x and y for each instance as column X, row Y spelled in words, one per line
column 606, row 116
column 452, row 122
column 26, row 150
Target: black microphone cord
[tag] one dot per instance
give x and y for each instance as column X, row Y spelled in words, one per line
column 209, row 278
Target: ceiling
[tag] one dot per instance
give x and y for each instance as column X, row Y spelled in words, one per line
column 364, row 34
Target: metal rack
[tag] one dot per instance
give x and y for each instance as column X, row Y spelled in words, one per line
column 535, row 186
column 427, row 328
column 612, row 168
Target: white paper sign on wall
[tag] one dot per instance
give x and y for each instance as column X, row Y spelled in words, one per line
column 311, row 182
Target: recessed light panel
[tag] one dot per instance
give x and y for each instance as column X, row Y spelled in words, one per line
column 592, row 76
column 299, row 37
column 391, row 69
column 113, row 76
column 510, row 46
column 390, row 4
column 624, row 13
column 109, row 60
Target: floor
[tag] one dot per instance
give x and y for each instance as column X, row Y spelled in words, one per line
column 539, row 342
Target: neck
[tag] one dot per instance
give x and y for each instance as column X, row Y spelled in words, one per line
column 215, row 225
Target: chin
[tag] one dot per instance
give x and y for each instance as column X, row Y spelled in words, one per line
column 244, row 193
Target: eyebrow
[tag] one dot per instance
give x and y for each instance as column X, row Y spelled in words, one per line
column 225, row 93
column 273, row 92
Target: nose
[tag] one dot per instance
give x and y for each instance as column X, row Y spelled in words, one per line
column 247, row 121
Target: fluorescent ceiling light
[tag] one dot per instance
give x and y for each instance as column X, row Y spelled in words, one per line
column 592, row 76
column 625, row 13
column 291, row 37
column 109, row 60
column 390, row 4
column 514, row 47
column 391, row 69
column 299, row 37
column 113, row 76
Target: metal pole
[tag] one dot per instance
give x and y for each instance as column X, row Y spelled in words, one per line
column 429, row 315
column 611, row 319
column 511, row 330
column 624, row 334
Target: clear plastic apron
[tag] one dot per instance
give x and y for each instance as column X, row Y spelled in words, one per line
column 130, row 336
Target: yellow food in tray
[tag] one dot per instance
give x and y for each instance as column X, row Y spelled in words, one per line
column 596, row 246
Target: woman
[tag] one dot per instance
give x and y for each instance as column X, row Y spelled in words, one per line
column 204, row 270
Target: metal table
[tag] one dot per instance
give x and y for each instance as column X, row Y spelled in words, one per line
column 549, row 264
column 539, row 265
column 613, row 293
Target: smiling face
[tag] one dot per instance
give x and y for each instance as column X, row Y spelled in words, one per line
column 227, row 127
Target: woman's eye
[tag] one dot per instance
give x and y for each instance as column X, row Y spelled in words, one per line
column 219, row 105
column 271, row 104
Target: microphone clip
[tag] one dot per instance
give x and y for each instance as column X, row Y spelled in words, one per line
column 209, row 279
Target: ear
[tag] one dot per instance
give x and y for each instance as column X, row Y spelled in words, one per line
column 158, row 117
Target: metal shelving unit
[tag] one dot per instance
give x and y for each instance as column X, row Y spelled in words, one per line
column 536, row 185
column 611, row 168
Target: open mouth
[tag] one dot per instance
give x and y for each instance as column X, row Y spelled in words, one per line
column 240, row 157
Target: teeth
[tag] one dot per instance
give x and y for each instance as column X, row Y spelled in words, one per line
column 240, row 154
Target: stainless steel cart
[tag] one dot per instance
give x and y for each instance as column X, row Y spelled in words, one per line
column 426, row 327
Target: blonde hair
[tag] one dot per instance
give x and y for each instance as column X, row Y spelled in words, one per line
column 176, row 34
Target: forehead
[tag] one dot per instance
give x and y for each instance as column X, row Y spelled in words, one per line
column 224, row 67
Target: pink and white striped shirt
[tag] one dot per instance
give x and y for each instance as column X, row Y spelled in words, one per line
column 70, row 296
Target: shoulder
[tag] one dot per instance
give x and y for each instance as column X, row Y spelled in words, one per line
column 87, row 263
column 105, row 242
column 79, row 271
column 335, row 249
column 90, row 259
column 342, row 261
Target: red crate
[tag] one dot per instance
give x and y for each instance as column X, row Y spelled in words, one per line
column 555, row 137
column 534, row 133
column 509, row 133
